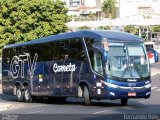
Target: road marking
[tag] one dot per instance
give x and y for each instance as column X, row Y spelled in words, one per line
column 33, row 106
column 152, row 88
column 157, row 90
column 35, row 112
column 4, row 107
column 100, row 112
column 143, row 101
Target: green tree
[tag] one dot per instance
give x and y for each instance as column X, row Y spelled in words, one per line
column 104, row 27
column 131, row 29
column 155, row 28
column 84, row 28
column 24, row 20
column 109, row 7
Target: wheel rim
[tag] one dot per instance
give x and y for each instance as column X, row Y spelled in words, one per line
column 26, row 95
column 19, row 94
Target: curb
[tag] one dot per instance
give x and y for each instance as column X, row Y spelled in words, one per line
column 154, row 72
column 158, row 73
column 4, row 107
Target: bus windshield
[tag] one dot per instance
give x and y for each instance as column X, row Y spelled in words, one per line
column 127, row 60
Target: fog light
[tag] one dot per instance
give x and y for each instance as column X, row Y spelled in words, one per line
column 112, row 93
column 148, row 93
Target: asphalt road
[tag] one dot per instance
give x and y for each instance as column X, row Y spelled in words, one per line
column 74, row 106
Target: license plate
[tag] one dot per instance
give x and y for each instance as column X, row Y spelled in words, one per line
column 131, row 94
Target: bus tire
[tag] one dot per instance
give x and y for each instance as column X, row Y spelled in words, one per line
column 87, row 100
column 57, row 99
column 124, row 101
column 62, row 99
column 19, row 94
column 27, row 95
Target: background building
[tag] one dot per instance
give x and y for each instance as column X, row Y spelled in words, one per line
column 84, row 8
column 139, row 8
column 125, row 8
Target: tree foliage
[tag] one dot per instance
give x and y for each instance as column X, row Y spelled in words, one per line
column 156, row 28
column 104, row 28
column 109, row 7
column 131, row 29
column 24, row 20
column 84, row 28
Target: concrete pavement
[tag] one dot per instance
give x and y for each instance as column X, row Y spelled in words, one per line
column 155, row 69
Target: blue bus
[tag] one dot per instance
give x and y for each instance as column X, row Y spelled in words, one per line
column 91, row 64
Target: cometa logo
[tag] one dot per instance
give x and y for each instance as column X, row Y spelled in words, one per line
column 64, row 68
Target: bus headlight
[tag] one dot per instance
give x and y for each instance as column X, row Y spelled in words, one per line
column 148, row 86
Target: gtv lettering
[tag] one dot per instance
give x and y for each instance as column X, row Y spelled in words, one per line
column 64, row 68
column 17, row 65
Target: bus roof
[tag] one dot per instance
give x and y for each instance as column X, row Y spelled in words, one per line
column 97, row 34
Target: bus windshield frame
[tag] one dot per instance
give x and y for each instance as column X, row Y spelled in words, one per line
column 127, row 60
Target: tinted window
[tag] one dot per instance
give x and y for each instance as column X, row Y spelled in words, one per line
column 64, row 49
column 36, row 49
column 76, row 49
column 13, row 52
column 48, row 51
column 95, row 56
column 23, row 50
column 6, row 55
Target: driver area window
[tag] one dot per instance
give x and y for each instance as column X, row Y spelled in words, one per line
column 94, row 56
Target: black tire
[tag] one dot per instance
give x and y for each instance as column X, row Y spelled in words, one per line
column 62, row 99
column 19, row 94
column 27, row 95
column 57, row 99
column 124, row 101
column 87, row 100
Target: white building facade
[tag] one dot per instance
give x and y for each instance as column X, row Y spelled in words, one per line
column 126, row 8
column 130, row 12
column 139, row 9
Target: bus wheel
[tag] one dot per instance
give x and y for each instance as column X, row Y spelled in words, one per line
column 62, row 99
column 87, row 100
column 19, row 94
column 27, row 95
column 57, row 99
column 124, row 101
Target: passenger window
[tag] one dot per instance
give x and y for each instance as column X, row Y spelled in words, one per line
column 13, row 52
column 76, row 50
column 23, row 50
column 6, row 55
column 48, row 51
column 36, row 49
column 63, row 50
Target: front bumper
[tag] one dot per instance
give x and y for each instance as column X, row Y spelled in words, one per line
column 118, row 90
column 113, row 93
